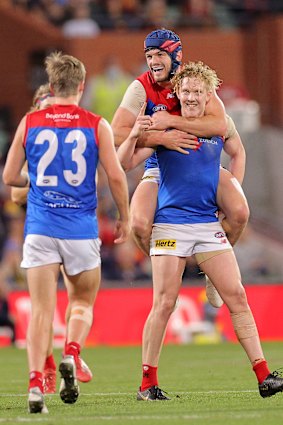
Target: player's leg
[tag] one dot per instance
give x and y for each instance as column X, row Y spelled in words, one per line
column 233, row 204
column 224, row 272
column 81, row 260
column 49, row 373
column 84, row 373
column 167, row 277
column 42, row 284
column 83, row 288
column 142, row 209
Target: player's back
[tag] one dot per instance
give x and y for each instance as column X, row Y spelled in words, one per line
column 62, row 153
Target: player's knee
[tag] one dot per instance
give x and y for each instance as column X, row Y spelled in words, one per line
column 82, row 312
column 141, row 227
column 166, row 306
column 239, row 216
column 237, row 300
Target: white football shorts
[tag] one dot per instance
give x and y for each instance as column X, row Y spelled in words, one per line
column 151, row 175
column 185, row 240
column 76, row 255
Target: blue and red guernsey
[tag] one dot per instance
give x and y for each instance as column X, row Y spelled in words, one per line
column 158, row 99
column 61, row 145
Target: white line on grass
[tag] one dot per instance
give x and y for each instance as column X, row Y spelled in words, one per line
column 208, row 415
column 129, row 393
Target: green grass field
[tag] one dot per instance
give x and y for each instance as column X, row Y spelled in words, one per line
column 209, row 384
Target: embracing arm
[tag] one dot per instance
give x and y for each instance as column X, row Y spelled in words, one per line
column 126, row 114
column 233, row 146
column 125, row 117
column 212, row 123
column 116, row 178
column 129, row 155
column 13, row 175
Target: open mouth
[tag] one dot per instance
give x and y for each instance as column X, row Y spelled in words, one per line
column 159, row 69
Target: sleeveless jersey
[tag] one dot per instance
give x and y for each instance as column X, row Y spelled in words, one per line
column 158, row 99
column 188, row 183
column 61, row 145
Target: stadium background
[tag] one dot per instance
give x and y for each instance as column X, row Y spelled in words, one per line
column 249, row 60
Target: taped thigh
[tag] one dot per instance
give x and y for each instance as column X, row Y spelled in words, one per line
column 203, row 256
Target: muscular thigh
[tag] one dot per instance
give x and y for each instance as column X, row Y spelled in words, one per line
column 229, row 192
column 144, row 201
column 84, row 286
column 167, row 274
column 224, row 272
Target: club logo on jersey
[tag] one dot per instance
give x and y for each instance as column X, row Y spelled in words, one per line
column 170, row 96
column 165, row 243
column 59, row 200
column 159, row 107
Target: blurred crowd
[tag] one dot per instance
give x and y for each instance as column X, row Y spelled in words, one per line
column 126, row 264
column 103, row 93
column 87, row 18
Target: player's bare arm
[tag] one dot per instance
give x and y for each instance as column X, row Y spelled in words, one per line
column 129, row 155
column 234, row 148
column 116, row 178
column 12, row 173
column 19, row 194
column 125, row 118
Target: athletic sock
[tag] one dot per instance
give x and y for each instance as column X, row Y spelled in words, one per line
column 73, row 349
column 261, row 370
column 149, row 377
column 50, row 362
column 35, row 380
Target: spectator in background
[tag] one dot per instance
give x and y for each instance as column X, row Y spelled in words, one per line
column 157, row 14
column 118, row 15
column 197, row 13
column 6, row 319
column 104, row 92
column 13, row 274
column 260, row 258
column 81, row 23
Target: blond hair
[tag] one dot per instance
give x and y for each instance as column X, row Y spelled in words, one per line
column 65, row 73
column 197, row 70
column 40, row 94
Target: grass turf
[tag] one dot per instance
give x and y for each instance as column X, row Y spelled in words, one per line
column 208, row 384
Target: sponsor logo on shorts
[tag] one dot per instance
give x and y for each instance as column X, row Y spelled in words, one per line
column 219, row 235
column 165, row 243
column 159, row 107
column 222, row 236
column 148, row 177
